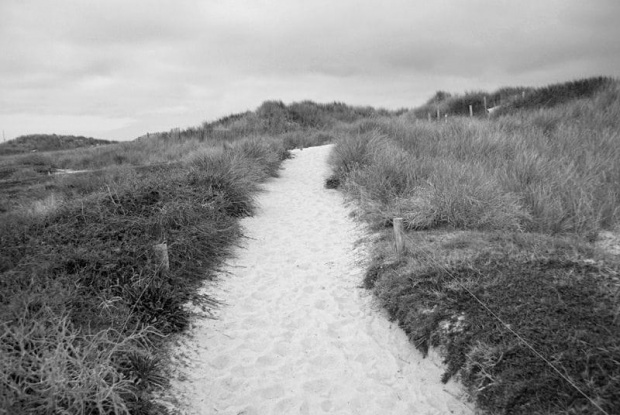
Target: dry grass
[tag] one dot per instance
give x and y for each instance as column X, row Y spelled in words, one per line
column 558, row 294
column 84, row 304
column 550, row 171
column 502, row 211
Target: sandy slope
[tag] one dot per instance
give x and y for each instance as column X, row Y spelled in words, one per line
column 297, row 335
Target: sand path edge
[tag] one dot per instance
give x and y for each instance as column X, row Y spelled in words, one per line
column 297, row 334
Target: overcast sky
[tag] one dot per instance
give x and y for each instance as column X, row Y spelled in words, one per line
column 116, row 69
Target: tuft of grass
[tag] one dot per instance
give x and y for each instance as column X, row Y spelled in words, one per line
column 49, row 367
column 332, row 182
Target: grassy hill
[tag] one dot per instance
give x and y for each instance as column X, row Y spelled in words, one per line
column 503, row 209
column 501, row 270
column 275, row 117
column 509, row 100
column 48, row 142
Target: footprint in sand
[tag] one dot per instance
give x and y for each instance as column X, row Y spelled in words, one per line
column 272, row 392
column 221, row 362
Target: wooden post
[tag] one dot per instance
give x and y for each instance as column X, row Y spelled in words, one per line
column 429, row 116
column 398, row 236
column 161, row 257
column 437, row 114
column 471, row 110
column 486, row 111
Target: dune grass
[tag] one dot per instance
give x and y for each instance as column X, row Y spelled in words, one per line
column 504, row 208
column 500, row 216
column 47, row 142
column 511, row 100
column 557, row 294
column 85, row 305
column 549, row 171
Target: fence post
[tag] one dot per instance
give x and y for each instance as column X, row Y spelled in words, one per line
column 161, row 256
column 486, row 111
column 398, row 236
column 471, row 110
column 437, row 114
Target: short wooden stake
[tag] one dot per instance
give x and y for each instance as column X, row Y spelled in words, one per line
column 485, row 106
column 437, row 114
column 161, row 256
column 471, row 110
column 398, row 236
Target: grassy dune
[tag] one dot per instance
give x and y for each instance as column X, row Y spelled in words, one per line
column 500, row 216
column 84, row 302
column 500, row 212
column 48, row 142
column 86, row 308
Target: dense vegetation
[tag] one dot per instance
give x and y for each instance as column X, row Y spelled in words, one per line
column 510, row 100
column 85, row 303
column 48, row 142
column 500, row 214
column 25, row 177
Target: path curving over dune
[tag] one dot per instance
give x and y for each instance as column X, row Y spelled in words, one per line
column 297, row 335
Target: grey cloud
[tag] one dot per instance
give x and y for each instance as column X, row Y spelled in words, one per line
column 153, row 60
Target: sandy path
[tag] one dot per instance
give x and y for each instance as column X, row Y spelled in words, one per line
column 297, row 335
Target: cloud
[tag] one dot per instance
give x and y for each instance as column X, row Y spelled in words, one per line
column 162, row 64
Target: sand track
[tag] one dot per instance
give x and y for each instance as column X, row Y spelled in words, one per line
column 297, row 335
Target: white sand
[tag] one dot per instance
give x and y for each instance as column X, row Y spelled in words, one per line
column 297, row 335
